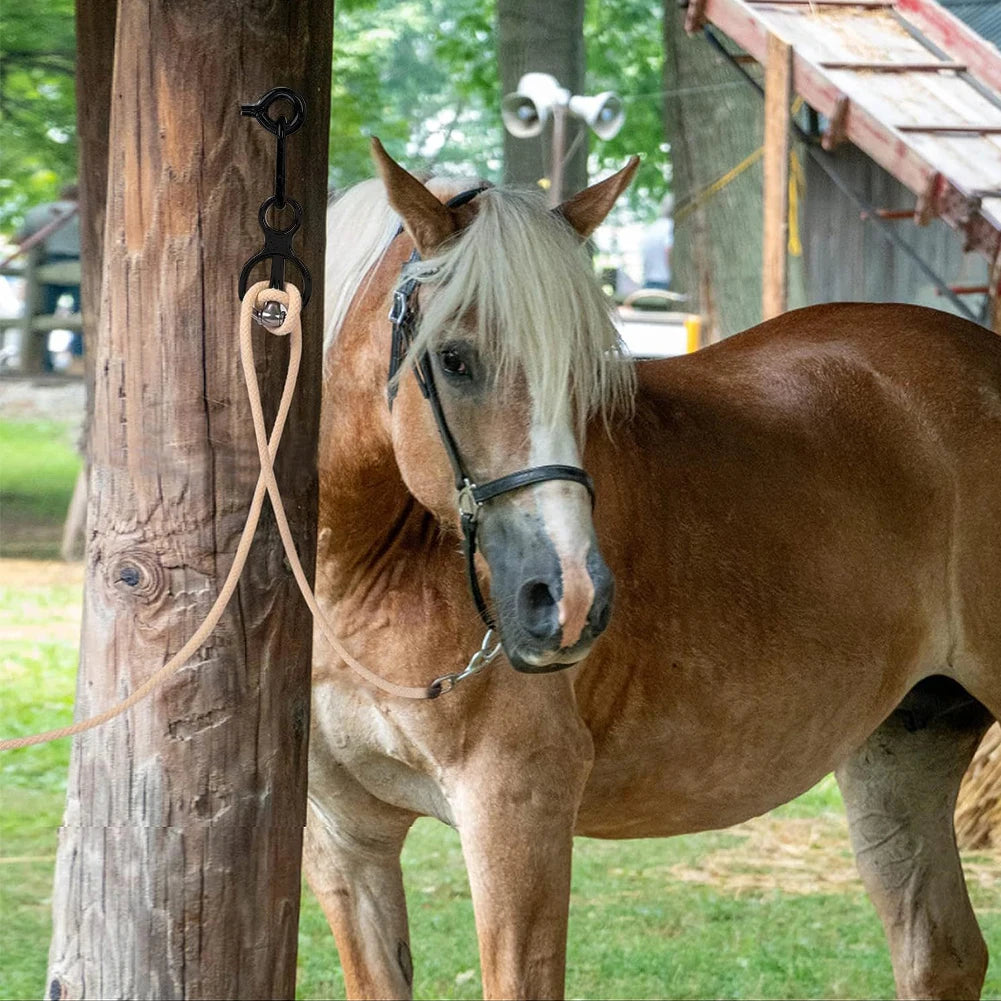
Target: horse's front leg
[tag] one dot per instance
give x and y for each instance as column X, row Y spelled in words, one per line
column 516, row 813
column 351, row 859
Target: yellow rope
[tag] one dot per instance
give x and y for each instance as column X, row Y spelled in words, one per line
column 797, row 184
column 702, row 196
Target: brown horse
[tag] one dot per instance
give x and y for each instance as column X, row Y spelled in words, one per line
column 802, row 524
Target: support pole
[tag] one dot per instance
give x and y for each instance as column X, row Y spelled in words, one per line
column 778, row 96
column 994, row 294
column 178, row 864
column 558, row 156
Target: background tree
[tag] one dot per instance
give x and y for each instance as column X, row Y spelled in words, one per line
column 421, row 74
column 37, row 111
column 543, row 38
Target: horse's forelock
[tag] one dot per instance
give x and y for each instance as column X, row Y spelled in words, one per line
column 528, row 283
column 361, row 225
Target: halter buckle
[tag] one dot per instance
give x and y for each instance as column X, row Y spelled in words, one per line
column 469, row 506
column 398, row 310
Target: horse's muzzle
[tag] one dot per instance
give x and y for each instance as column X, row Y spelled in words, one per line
column 550, row 611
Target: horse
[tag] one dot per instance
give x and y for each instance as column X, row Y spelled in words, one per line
column 715, row 578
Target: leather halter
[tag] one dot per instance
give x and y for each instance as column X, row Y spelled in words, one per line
column 472, row 496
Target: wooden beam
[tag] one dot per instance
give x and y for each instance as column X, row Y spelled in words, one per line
column 778, row 97
column 995, row 294
column 926, row 206
column 177, row 871
column 837, row 125
column 822, row 3
column 889, row 67
column 695, row 16
column 958, row 128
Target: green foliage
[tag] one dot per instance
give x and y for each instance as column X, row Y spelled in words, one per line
column 420, row 74
column 423, row 77
column 625, row 54
column 38, row 154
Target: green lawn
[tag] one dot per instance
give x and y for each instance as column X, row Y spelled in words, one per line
column 38, row 467
column 767, row 910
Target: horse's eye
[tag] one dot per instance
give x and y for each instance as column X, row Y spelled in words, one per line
column 452, row 363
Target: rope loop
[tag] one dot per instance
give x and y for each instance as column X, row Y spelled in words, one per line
column 256, row 296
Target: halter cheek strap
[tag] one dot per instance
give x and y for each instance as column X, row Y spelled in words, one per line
column 472, row 496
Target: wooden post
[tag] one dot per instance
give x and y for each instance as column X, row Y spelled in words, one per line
column 178, row 864
column 558, row 155
column 95, row 40
column 33, row 342
column 994, row 293
column 778, row 96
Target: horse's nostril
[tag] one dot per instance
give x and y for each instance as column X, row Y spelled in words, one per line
column 600, row 613
column 537, row 610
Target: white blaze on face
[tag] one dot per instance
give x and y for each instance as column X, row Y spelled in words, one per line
column 565, row 510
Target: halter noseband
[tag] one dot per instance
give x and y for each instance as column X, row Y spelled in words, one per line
column 403, row 316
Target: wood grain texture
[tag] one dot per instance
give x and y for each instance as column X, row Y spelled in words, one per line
column 178, row 864
column 778, row 96
column 95, row 32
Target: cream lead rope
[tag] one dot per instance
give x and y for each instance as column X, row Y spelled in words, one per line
column 257, row 297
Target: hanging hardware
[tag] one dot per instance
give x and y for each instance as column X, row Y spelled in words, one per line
column 277, row 241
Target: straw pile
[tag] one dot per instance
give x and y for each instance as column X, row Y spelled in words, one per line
column 978, row 809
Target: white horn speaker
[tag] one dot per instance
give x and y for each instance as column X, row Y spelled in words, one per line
column 603, row 113
column 526, row 111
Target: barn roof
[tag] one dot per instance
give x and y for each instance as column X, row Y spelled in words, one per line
column 906, row 81
column 983, row 16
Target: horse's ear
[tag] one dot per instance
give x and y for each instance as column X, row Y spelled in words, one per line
column 587, row 210
column 428, row 222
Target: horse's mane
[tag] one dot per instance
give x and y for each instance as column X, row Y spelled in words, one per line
column 523, row 276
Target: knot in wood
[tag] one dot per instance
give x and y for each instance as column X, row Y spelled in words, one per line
column 136, row 574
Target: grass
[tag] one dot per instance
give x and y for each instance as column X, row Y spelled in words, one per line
column 770, row 909
column 38, row 467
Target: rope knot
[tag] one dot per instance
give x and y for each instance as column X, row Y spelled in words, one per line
column 289, row 299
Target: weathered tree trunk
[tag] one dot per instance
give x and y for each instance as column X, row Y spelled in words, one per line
column 714, row 120
column 178, row 863
column 543, row 38
column 95, row 42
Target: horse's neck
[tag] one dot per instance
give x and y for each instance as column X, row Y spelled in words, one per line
column 367, row 516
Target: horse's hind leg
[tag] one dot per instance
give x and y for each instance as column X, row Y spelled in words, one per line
column 900, row 792
column 352, row 863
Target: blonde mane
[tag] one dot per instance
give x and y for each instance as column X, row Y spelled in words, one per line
column 518, row 273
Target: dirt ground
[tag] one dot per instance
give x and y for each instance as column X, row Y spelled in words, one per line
column 25, row 579
column 42, row 399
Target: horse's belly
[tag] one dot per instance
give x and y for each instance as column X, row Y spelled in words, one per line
column 627, row 799
column 715, row 758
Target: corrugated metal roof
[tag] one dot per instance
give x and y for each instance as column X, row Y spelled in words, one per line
column 905, row 81
column 983, row 16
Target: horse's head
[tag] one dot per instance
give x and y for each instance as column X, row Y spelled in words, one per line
column 513, row 346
